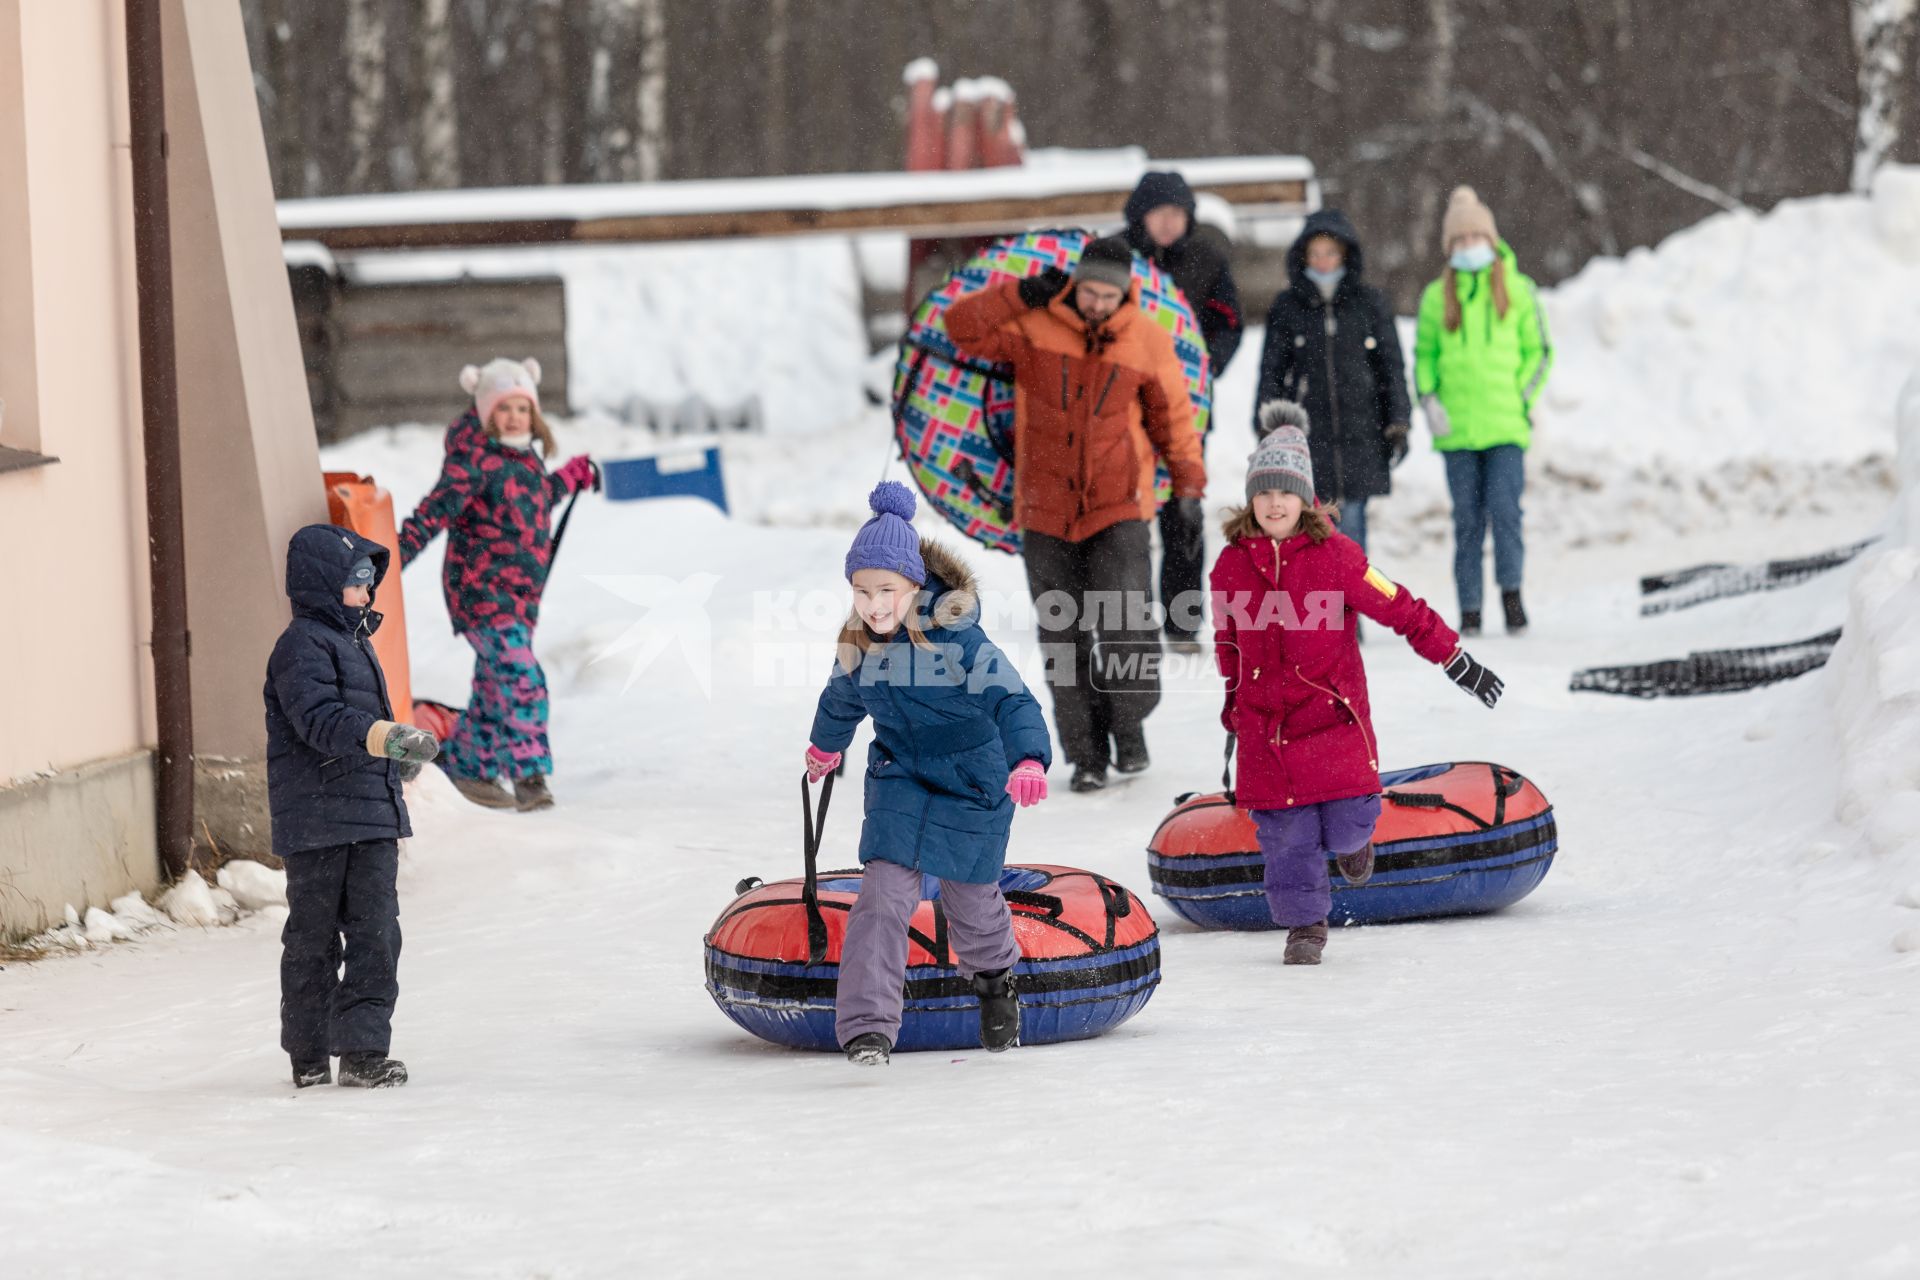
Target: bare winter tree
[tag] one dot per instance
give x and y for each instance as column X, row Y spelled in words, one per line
column 650, row 163
column 1882, row 34
column 1216, row 35
column 436, row 144
column 367, row 81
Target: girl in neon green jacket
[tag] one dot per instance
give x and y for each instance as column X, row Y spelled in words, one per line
column 1481, row 357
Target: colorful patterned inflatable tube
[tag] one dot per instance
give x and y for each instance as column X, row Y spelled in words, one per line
column 1090, row 959
column 1452, row 839
column 953, row 414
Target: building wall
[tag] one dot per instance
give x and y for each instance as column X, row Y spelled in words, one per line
column 75, row 677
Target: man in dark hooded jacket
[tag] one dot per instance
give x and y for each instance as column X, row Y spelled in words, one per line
column 335, row 760
column 1160, row 228
column 1332, row 348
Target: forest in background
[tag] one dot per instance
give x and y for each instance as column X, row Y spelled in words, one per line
column 1590, row 126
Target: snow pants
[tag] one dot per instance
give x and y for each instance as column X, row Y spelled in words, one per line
column 503, row 731
column 1297, row 844
column 344, row 891
column 1183, row 565
column 1102, row 645
column 873, row 955
column 1486, row 485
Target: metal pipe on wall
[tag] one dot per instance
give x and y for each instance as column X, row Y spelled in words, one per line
column 160, row 420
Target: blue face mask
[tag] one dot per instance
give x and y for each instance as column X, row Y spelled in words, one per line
column 1475, row 257
column 1327, row 280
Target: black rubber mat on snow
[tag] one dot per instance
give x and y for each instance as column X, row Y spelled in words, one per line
column 1711, row 671
column 1685, row 588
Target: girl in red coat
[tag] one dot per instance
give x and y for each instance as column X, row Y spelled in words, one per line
column 1285, row 590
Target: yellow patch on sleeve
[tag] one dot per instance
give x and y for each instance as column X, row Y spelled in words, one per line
column 1381, row 583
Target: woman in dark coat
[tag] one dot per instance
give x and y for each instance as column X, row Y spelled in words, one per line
column 1332, row 348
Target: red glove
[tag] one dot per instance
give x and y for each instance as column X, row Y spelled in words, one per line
column 820, row 763
column 576, row 473
column 1027, row 784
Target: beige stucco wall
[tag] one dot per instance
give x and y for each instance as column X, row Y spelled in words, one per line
column 74, row 576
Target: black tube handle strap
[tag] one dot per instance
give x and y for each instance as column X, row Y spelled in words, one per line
column 811, row 828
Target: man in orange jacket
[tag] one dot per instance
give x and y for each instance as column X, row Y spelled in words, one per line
column 1099, row 392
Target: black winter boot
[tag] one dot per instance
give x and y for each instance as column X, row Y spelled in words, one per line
column 869, row 1049
column 371, row 1071
column 1089, row 777
column 1130, row 750
column 999, row 1009
column 1516, row 616
column 306, row 1074
column 1469, row 622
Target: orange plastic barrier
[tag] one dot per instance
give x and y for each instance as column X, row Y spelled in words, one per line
column 355, row 502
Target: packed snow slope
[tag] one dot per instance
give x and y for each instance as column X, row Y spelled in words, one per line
column 1693, row 1051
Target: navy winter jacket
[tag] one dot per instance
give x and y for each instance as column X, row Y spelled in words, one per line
column 1340, row 360
column 949, row 723
column 324, row 691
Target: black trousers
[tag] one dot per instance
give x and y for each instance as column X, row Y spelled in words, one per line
column 1183, row 561
column 1099, row 634
column 343, row 892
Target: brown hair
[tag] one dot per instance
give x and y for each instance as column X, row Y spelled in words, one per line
column 1500, row 298
column 541, row 431
column 1315, row 522
column 855, row 640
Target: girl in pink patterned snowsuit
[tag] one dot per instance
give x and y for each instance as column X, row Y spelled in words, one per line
column 495, row 498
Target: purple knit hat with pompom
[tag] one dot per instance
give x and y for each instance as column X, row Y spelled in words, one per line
column 888, row 541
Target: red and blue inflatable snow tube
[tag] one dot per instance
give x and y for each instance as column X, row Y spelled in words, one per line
column 1452, row 839
column 1089, row 960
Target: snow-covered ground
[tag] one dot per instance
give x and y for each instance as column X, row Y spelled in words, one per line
column 1694, row 1051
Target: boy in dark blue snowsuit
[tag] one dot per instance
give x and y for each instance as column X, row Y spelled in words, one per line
column 335, row 762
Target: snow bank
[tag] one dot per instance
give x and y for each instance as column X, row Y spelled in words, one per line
column 777, row 319
column 193, row 902
column 1785, row 335
column 1875, row 684
column 242, row 888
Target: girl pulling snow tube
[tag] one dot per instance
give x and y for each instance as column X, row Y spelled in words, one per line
column 1452, row 839
column 1090, row 959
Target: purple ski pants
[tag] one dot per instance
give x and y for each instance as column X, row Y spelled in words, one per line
column 1297, row 844
column 873, row 957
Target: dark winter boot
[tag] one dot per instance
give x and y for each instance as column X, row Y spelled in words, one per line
column 531, row 793
column 869, row 1049
column 1469, row 622
column 485, row 792
column 1516, row 616
column 306, row 1074
column 1356, row 867
column 371, row 1071
column 1130, row 750
column 999, row 1009
column 1089, row 777
column 1305, row 944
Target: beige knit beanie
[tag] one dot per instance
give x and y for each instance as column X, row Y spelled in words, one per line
column 1466, row 216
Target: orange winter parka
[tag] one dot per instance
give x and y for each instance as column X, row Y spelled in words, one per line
column 1091, row 409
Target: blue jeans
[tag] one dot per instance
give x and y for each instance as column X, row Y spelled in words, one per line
column 1486, row 485
column 1353, row 520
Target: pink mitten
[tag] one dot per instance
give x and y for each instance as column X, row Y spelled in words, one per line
column 1027, row 784
column 820, row 763
column 576, row 473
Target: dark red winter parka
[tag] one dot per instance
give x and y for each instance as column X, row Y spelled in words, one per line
column 1284, row 638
